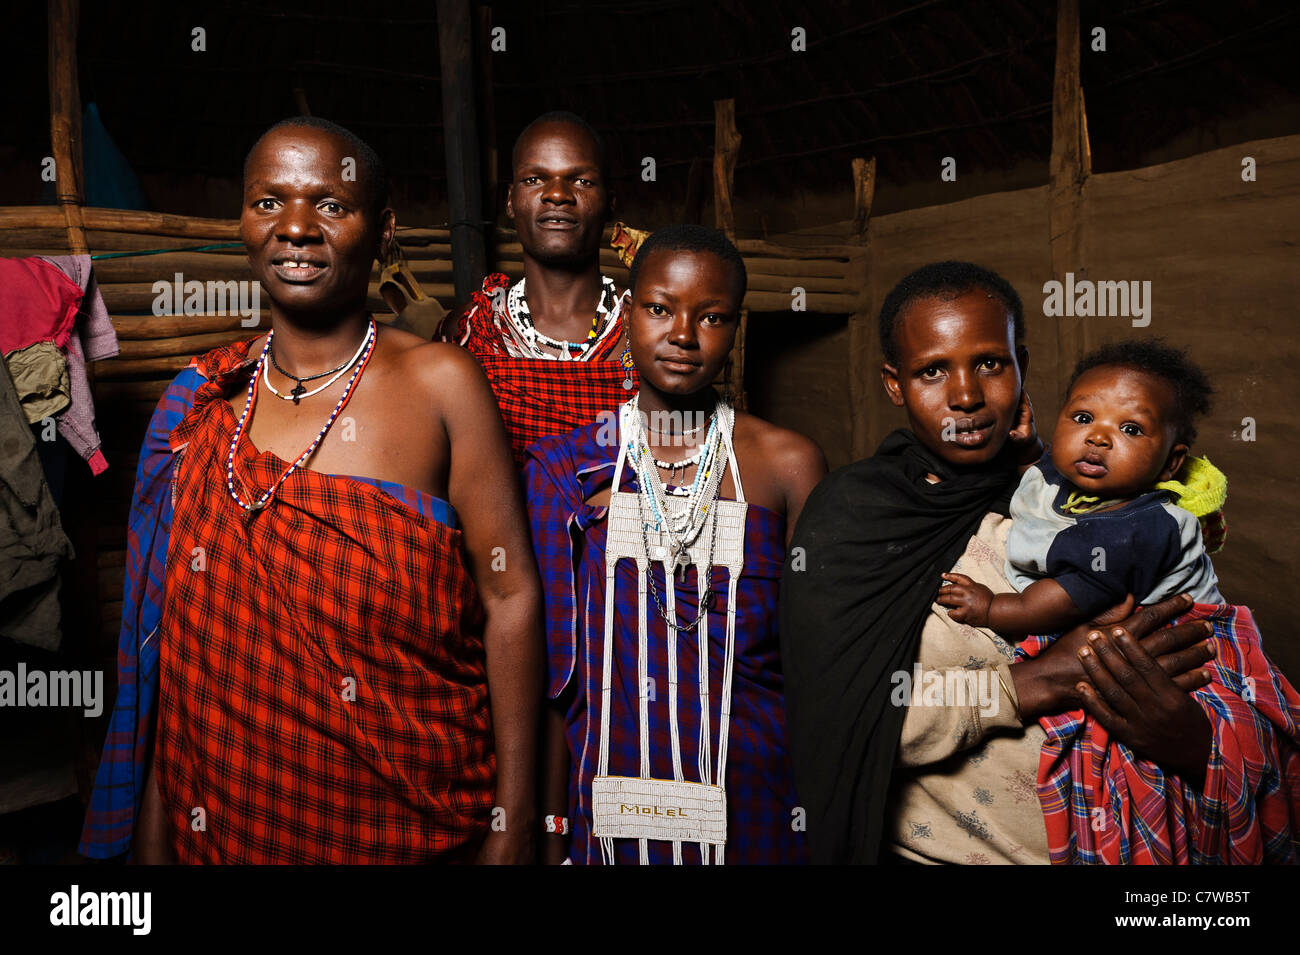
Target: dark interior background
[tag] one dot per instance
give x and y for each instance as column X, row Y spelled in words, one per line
column 906, row 82
column 909, row 83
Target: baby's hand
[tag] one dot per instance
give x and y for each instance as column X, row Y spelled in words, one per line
column 968, row 602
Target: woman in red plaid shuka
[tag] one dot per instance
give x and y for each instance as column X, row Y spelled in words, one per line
column 350, row 642
column 328, row 700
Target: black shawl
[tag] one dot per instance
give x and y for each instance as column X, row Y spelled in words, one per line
column 862, row 572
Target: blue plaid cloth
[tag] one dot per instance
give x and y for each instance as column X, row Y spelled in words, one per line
column 119, row 783
column 764, row 820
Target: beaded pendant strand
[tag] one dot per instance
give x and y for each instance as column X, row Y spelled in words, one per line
column 629, row 365
column 682, row 523
column 253, row 508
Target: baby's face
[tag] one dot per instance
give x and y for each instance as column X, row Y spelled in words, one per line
column 1116, row 435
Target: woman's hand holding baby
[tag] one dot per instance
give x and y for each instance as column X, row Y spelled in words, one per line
column 1054, row 681
column 1130, row 695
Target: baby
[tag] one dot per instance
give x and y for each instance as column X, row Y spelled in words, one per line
column 1093, row 519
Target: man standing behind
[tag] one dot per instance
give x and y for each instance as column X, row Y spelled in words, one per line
column 345, row 645
column 554, row 344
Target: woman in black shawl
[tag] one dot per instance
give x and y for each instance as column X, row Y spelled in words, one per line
column 866, row 557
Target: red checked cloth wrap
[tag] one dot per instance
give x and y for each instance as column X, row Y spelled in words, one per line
column 539, row 398
column 1102, row 805
column 323, row 688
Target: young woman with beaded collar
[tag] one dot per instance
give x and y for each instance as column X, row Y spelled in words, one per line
column 649, row 768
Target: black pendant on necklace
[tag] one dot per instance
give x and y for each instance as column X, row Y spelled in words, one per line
column 298, row 391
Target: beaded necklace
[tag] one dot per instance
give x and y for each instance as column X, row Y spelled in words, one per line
column 521, row 318
column 683, row 522
column 298, row 390
column 706, row 598
column 679, row 434
column 253, row 508
column 672, row 467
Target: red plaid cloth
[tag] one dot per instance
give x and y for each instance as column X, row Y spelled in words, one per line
column 1214, row 531
column 540, row 398
column 323, row 684
column 1103, row 805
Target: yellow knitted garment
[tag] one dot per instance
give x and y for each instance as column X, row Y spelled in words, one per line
column 1199, row 487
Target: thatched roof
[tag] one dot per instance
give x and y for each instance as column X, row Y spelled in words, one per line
column 910, row 82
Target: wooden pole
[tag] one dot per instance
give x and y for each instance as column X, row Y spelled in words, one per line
column 487, row 114
column 122, row 220
column 1071, row 165
column 460, row 130
column 694, row 211
column 80, row 516
column 300, row 99
column 864, row 192
column 736, row 376
column 726, row 147
column 861, row 386
column 65, row 118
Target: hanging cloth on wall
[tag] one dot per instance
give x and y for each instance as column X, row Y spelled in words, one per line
column 32, row 542
column 55, row 300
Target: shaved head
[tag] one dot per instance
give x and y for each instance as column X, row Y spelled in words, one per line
column 561, row 117
column 370, row 168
